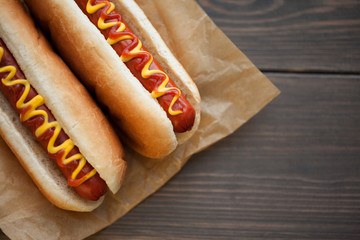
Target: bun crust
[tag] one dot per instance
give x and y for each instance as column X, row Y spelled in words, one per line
column 142, row 122
column 137, row 20
column 37, row 164
column 83, row 122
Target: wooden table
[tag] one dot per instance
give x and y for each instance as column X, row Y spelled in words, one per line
column 293, row 171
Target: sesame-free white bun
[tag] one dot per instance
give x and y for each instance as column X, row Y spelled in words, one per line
column 71, row 105
column 143, row 124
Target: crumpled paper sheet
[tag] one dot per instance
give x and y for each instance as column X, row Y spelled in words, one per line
column 232, row 90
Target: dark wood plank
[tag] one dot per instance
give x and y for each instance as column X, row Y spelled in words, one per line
column 3, row 236
column 277, row 35
column 292, row 172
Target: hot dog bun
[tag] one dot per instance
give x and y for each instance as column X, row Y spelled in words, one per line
column 144, row 125
column 72, row 107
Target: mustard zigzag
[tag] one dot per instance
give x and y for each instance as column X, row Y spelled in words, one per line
column 136, row 51
column 32, row 111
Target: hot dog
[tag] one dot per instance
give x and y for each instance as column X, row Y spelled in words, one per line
column 33, row 114
column 140, row 62
column 147, row 92
column 39, row 92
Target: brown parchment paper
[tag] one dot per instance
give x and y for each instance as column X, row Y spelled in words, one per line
column 232, row 91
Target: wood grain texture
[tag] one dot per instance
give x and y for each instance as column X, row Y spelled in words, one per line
column 292, row 172
column 290, row 35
